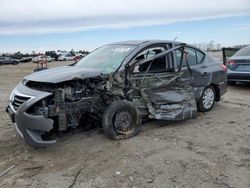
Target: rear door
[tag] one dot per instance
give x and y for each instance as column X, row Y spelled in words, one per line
column 158, row 84
column 198, row 75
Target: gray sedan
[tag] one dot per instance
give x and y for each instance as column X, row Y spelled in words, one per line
column 8, row 60
column 239, row 66
column 115, row 87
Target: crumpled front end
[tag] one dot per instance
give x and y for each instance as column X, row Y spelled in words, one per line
column 42, row 109
column 30, row 126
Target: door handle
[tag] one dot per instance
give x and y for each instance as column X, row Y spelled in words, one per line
column 205, row 74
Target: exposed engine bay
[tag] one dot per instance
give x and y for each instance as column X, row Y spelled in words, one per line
column 71, row 101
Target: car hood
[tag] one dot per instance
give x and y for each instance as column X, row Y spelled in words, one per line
column 61, row 74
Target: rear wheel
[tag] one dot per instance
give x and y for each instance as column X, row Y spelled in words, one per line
column 207, row 99
column 121, row 120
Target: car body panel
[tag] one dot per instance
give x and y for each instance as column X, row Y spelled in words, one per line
column 62, row 73
column 30, row 126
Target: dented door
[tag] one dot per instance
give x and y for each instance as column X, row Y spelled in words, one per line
column 164, row 94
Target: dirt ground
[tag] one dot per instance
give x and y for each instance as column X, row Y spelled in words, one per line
column 210, row 151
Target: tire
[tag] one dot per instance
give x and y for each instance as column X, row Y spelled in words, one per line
column 39, row 69
column 121, row 120
column 64, row 59
column 231, row 83
column 14, row 63
column 207, row 99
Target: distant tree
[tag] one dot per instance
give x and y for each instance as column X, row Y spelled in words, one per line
column 210, row 45
column 218, row 46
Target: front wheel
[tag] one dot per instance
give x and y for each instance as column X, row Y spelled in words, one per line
column 207, row 99
column 121, row 120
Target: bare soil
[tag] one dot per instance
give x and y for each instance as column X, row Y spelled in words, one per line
column 210, row 151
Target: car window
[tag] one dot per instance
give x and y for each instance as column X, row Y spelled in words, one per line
column 158, row 65
column 193, row 57
column 243, row 52
column 107, row 58
column 200, row 56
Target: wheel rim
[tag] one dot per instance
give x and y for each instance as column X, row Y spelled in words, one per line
column 208, row 98
column 123, row 122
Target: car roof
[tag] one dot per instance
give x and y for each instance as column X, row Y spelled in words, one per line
column 247, row 46
column 140, row 42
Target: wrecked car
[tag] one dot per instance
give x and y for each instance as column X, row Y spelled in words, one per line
column 116, row 87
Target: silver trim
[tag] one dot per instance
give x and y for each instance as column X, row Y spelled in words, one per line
column 12, row 96
column 208, row 98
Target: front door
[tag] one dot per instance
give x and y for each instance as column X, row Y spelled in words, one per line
column 159, row 86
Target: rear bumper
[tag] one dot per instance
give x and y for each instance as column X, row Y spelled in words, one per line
column 238, row 76
column 30, row 127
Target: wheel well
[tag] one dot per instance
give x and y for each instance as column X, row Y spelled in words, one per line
column 217, row 92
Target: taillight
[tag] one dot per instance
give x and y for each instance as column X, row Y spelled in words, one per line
column 231, row 62
column 224, row 67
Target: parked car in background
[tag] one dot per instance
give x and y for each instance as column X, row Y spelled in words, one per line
column 115, row 87
column 67, row 57
column 239, row 66
column 42, row 58
column 78, row 56
column 25, row 60
column 8, row 60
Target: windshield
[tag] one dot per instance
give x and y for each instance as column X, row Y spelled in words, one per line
column 107, row 58
column 243, row 52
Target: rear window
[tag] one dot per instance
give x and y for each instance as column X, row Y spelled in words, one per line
column 243, row 52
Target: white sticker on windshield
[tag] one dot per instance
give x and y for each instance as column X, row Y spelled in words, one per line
column 122, row 49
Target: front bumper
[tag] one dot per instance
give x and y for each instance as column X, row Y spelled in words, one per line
column 30, row 127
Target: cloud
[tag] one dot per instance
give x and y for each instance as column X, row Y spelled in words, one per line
column 240, row 27
column 56, row 16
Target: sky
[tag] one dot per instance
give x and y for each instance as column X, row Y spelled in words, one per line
column 42, row 25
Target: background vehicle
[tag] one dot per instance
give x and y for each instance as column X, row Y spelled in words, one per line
column 78, row 56
column 66, row 58
column 52, row 54
column 239, row 66
column 115, row 87
column 42, row 58
column 8, row 60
